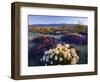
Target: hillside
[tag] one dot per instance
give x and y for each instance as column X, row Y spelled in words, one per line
column 51, row 28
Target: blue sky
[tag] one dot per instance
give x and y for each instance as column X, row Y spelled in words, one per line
column 43, row 19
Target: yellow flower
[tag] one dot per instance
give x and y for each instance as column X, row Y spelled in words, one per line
column 56, row 51
column 74, row 55
column 63, row 49
column 59, row 48
column 73, row 52
column 68, row 56
column 73, row 60
column 65, row 54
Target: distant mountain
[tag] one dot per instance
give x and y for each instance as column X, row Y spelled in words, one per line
column 48, row 25
column 53, row 25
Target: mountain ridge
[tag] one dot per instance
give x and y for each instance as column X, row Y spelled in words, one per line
column 53, row 25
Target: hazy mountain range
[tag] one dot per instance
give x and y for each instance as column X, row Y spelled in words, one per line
column 53, row 25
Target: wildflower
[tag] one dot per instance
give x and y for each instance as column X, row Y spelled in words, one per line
column 73, row 52
column 66, row 46
column 64, row 49
column 68, row 56
column 51, row 55
column 56, row 58
column 56, row 51
column 51, row 62
column 47, row 60
column 59, row 47
column 64, row 54
column 47, row 56
column 73, row 61
column 60, row 59
column 77, row 58
column 46, row 52
column 44, row 58
column 50, row 51
column 57, row 54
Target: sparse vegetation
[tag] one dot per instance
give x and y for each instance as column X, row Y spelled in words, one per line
column 65, row 29
column 46, row 37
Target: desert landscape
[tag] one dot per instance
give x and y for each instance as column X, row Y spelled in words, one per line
column 42, row 37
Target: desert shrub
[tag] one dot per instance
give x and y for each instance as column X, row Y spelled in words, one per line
column 83, row 33
column 61, row 55
column 75, row 39
column 40, row 44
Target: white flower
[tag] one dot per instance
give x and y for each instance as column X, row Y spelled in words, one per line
column 51, row 55
column 46, row 52
column 47, row 57
column 51, row 62
column 60, row 59
column 47, row 60
column 77, row 58
column 59, row 45
column 44, row 58
column 50, row 51
column 56, row 58
column 66, row 45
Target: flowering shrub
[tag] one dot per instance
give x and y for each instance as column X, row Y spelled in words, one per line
column 60, row 55
column 83, row 33
column 75, row 39
column 40, row 45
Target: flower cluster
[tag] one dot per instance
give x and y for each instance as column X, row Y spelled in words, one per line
column 60, row 55
column 37, row 48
